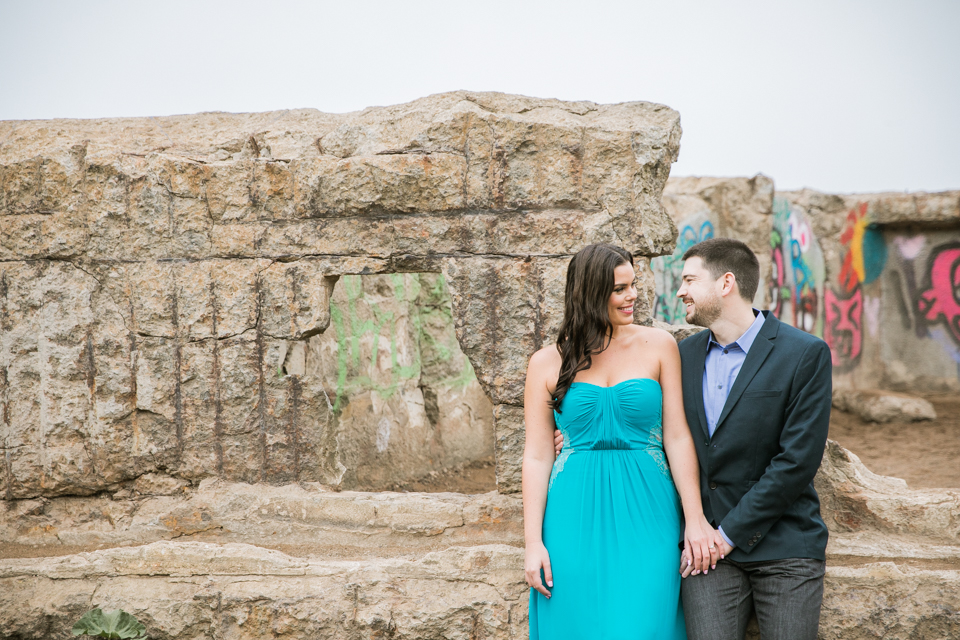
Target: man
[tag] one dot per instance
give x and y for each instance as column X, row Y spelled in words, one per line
column 757, row 395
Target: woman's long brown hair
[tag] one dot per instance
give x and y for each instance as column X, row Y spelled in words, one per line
column 586, row 329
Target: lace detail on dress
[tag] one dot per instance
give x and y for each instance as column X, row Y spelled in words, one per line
column 655, row 449
column 564, row 454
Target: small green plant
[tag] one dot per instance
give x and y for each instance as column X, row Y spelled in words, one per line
column 118, row 625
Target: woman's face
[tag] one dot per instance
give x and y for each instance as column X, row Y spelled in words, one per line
column 620, row 305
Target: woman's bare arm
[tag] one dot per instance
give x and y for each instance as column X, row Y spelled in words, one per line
column 538, row 458
column 699, row 538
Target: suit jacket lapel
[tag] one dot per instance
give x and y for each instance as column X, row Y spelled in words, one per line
column 761, row 348
column 695, row 371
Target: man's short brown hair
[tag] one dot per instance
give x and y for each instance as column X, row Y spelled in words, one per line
column 722, row 255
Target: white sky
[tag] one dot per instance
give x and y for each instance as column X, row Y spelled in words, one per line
column 840, row 96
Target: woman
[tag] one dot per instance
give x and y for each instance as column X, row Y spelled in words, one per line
column 602, row 520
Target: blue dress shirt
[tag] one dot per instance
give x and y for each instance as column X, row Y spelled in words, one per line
column 720, row 371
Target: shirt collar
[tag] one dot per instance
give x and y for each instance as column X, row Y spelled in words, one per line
column 746, row 340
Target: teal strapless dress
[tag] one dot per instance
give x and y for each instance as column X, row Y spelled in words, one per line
column 612, row 521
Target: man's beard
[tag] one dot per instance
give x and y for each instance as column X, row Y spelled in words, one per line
column 706, row 312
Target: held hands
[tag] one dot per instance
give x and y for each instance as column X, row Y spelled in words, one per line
column 687, row 566
column 702, row 547
column 536, row 558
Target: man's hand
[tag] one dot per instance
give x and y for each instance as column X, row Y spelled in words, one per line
column 723, row 546
column 557, row 441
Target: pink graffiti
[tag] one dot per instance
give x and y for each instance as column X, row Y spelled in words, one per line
column 844, row 327
column 910, row 248
column 942, row 299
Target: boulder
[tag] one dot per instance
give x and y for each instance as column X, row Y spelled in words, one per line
column 883, row 406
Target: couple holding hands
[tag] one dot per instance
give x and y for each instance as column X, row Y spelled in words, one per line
column 634, row 444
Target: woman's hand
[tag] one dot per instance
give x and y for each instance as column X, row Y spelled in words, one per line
column 535, row 559
column 700, row 550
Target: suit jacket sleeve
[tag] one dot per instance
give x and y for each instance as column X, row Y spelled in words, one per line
column 802, row 440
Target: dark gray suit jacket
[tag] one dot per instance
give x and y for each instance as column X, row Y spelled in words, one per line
column 756, row 472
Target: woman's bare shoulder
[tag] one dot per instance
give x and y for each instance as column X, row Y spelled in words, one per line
column 653, row 338
column 547, row 358
column 545, row 367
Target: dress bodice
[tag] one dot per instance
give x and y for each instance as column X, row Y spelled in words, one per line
column 626, row 415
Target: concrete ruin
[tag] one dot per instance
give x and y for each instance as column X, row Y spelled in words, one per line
column 875, row 275
column 170, row 446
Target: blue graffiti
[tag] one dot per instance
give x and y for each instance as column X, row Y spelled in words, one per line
column 802, row 274
column 667, row 270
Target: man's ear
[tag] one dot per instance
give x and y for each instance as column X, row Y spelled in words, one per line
column 728, row 284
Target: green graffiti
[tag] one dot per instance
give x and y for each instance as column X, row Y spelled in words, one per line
column 432, row 319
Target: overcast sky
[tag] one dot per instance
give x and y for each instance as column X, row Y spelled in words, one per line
column 838, row 96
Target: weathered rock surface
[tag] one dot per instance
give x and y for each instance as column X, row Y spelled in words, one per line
column 854, row 500
column 193, row 590
column 743, row 206
column 872, row 274
column 874, row 405
column 157, row 272
column 918, row 208
column 305, row 520
column 300, row 561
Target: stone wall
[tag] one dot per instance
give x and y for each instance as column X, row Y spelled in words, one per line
column 157, row 273
column 875, row 275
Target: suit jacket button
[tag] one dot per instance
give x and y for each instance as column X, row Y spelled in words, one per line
column 750, row 543
column 713, row 485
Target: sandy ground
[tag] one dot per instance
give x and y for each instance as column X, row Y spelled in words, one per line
column 925, row 454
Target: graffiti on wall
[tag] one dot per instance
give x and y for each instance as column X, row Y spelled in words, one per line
column 888, row 294
column 939, row 302
column 795, row 287
column 667, row 269
column 844, row 327
column 863, row 258
column 366, row 318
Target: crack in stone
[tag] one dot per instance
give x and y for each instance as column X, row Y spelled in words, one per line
column 217, row 401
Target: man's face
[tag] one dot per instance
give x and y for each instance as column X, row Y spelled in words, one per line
column 700, row 292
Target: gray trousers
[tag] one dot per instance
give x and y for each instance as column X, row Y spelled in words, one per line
column 786, row 595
